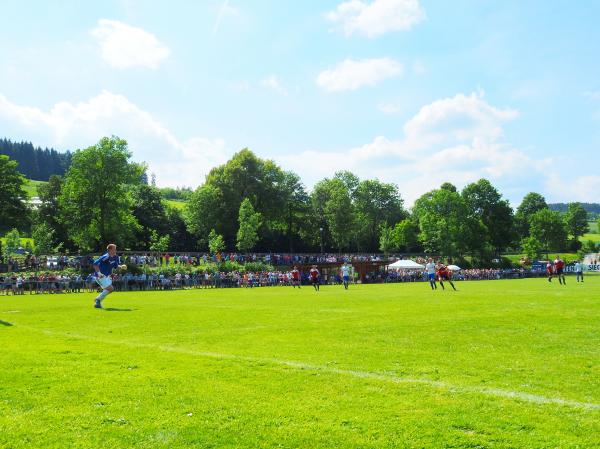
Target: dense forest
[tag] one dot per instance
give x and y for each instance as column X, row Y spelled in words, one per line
column 35, row 162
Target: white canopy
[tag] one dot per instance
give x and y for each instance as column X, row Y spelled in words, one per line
column 406, row 265
column 454, row 267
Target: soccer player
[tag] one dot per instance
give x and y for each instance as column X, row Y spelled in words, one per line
column 550, row 270
column 295, row 277
column 444, row 273
column 103, row 267
column 345, row 275
column 430, row 268
column 579, row 270
column 314, row 277
column 559, row 267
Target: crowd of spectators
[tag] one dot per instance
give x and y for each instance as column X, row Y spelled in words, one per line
column 52, row 282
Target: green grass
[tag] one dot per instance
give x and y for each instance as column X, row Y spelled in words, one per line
column 31, row 187
column 567, row 257
column 389, row 366
column 175, row 203
column 591, row 236
column 24, row 241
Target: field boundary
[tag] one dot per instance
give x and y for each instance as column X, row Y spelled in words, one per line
column 382, row 377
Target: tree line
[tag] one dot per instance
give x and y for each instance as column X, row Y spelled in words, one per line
column 35, row 162
column 252, row 204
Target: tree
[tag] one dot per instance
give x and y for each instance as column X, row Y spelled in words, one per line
column 386, row 239
column 12, row 241
column 13, row 210
column 486, row 204
column 159, row 243
column 49, row 212
column 249, row 221
column 445, row 225
column 350, row 180
column 181, row 239
column 576, row 220
column 203, row 213
column 339, row 214
column 377, row 204
column 532, row 248
column 43, row 236
column 216, row 244
column 449, row 187
column 406, row 236
column 260, row 181
column 532, row 202
column 149, row 212
column 296, row 207
column 548, row 227
column 96, row 201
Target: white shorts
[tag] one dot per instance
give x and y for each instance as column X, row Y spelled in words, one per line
column 104, row 282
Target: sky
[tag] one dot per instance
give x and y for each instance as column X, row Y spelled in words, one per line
column 414, row 92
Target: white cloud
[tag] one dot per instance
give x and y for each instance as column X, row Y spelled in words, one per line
column 124, row 46
column 79, row 125
column 353, row 74
column 273, row 82
column 457, row 139
column 577, row 188
column 377, row 17
column 460, row 118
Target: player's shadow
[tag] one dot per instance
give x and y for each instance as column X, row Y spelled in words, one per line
column 113, row 309
column 5, row 323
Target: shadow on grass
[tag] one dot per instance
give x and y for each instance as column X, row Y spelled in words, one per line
column 5, row 323
column 113, row 309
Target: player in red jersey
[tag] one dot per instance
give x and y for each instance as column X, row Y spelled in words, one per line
column 314, row 277
column 559, row 267
column 296, row 277
column 549, row 270
column 444, row 274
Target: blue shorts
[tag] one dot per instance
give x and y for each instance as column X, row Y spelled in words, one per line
column 346, row 278
column 431, row 276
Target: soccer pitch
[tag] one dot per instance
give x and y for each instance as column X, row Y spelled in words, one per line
column 498, row 364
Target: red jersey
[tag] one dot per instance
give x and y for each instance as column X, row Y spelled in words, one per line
column 444, row 272
column 549, row 268
column 314, row 274
column 559, row 264
column 295, row 275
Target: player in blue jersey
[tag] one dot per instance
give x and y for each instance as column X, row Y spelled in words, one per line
column 103, row 266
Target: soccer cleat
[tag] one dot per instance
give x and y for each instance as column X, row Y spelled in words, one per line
column 97, row 304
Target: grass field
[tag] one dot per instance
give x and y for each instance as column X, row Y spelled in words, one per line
column 499, row 364
column 31, row 187
column 179, row 205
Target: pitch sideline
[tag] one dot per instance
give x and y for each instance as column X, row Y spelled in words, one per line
column 466, row 389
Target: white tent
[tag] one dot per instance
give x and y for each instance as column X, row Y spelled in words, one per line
column 454, row 268
column 406, row 265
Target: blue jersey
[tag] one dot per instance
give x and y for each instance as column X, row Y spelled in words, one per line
column 107, row 263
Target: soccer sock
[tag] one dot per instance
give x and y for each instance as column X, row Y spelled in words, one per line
column 452, row 285
column 102, row 295
column 442, row 284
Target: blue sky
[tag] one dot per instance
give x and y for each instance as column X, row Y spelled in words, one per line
column 414, row 92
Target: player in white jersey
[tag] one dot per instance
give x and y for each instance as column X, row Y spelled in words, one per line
column 345, row 270
column 579, row 271
column 430, row 269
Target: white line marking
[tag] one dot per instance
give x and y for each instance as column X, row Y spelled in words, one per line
column 488, row 391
